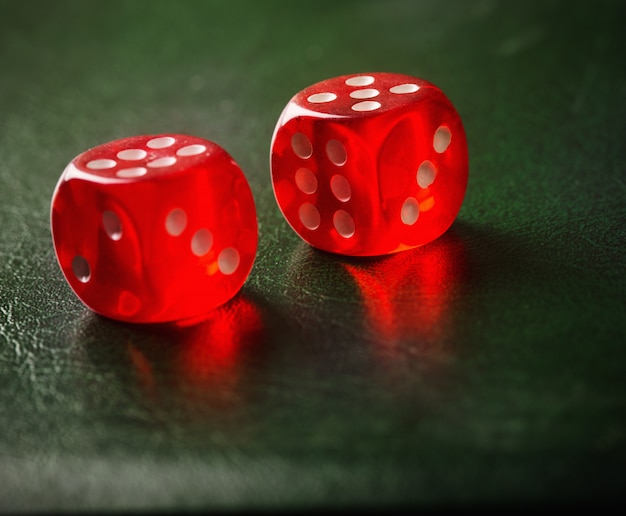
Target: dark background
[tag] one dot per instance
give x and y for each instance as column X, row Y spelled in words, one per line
column 484, row 368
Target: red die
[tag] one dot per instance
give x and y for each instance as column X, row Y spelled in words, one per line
column 368, row 165
column 154, row 228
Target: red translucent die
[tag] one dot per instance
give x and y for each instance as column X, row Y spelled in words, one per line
column 154, row 228
column 369, row 165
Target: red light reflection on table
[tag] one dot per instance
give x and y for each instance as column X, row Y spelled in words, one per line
column 201, row 361
column 407, row 295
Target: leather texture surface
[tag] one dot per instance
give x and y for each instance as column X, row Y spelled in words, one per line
column 485, row 368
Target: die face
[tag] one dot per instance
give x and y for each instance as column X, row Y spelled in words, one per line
column 362, row 96
column 323, row 174
column 154, row 228
column 422, row 171
column 397, row 144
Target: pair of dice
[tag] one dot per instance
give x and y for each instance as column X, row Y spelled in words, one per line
column 164, row 228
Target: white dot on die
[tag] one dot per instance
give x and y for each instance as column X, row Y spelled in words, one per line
column 81, row 269
column 404, row 88
column 442, row 139
column 344, row 224
column 301, row 146
column 309, row 216
column 101, row 164
column 340, row 187
column 112, row 225
column 306, row 180
column 361, row 80
column 176, row 222
column 336, row 152
column 320, row 98
column 426, row 174
column 410, row 211
column 162, row 162
column 191, row 150
column 161, row 143
column 131, row 172
column 228, row 260
column 365, row 94
column 201, row 242
column 366, row 105
column 132, row 154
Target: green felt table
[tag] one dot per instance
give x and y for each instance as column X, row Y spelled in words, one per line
column 486, row 368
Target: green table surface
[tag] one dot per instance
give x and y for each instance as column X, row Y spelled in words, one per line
column 486, row 368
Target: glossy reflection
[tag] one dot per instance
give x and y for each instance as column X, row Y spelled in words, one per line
column 403, row 304
column 407, row 296
column 198, row 367
column 209, row 358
